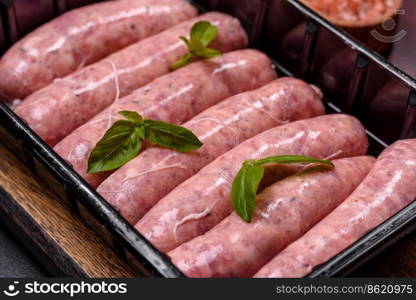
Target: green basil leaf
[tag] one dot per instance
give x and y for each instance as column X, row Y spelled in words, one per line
column 207, row 53
column 204, row 32
column 121, row 143
column 171, row 136
column 293, row 159
column 244, row 189
column 184, row 60
column 132, row 116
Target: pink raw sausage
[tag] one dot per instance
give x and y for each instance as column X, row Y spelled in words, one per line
column 285, row 211
column 389, row 187
column 137, row 186
column 56, row 110
column 203, row 200
column 175, row 98
column 83, row 36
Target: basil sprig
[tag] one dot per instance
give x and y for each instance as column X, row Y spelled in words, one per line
column 247, row 180
column 202, row 34
column 124, row 141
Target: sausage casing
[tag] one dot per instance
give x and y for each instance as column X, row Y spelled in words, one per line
column 284, row 211
column 175, row 98
column 202, row 201
column 137, row 186
column 388, row 187
column 83, row 36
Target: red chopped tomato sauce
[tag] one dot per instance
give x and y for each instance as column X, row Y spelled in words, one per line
column 352, row 11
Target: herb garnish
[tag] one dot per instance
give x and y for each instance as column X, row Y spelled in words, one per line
column 202, row 34
column 247, row 180
column 124, row 140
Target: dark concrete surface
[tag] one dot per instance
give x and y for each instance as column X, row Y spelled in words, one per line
column 15, row 261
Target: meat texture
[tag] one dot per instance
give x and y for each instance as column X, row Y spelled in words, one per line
column 175, row 98
column 202, row 201
column 388, row 188
column 137, row 186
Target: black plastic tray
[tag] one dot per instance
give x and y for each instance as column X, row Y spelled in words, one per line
column 354, row 79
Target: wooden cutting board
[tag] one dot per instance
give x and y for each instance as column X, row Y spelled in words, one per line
column 46, row 226
column 69, row 248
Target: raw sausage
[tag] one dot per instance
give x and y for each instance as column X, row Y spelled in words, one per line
column 175, row 98
column 203, row 200
column 83, row 36
column 56, row 110
column 285, row 211
column 389, row 187
column 352, row 13
column 137, row 186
